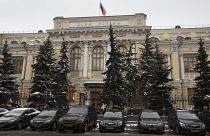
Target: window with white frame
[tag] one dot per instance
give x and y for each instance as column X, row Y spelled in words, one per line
column 98, row 59
column 75, row 59
column 190, row 94
column 18, row 62
column 122, row 49
column 189, row 63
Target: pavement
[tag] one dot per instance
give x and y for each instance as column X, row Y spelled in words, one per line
column 133, row 126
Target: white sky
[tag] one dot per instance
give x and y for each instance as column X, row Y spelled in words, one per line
column 30, row 15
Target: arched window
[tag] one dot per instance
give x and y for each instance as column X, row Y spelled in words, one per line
column 122, row 49
column 154, row 39
column 14, row 42
column 187, row 38
column 75, row 59
column 23, row 43
column 98, row 59
column 37, row 41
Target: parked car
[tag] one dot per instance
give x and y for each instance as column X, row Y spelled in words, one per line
column 150, row 121
column 205, row 118
column 17, row 118
column 185, row 122
column 133, row 111
column 112, row 120
column 47, row 119
column 11, row 106
column 3, row 111
column 78, row 117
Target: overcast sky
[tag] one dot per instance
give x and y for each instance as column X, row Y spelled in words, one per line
column 31, row 15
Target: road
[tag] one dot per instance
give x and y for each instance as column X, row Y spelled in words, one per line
column 56, row 133
column 130, row 130
column 92, row 132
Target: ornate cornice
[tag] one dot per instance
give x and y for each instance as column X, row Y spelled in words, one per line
column 90, row 42
column 184, row 42
column 98, row 29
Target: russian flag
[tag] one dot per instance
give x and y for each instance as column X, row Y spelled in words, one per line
column 103, row 11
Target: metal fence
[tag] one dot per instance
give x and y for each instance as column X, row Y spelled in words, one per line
column 182, row 103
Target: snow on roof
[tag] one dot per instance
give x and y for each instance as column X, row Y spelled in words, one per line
column 35, row 93
column 20, row 109
column 94, row 82
column 181, row 110
column 206, row 97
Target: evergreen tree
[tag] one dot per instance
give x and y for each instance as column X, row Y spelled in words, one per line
column 44, row 77
column 113, row 88
column 62, row 82
column 202, row 82
column 159, row 83
column 145, row 67
column 131, row 74
column 8, row 86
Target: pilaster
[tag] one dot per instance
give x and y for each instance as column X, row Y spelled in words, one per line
column 182, row 66
column 85, row 60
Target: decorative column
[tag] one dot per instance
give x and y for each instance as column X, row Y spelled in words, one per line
column 182, row 66
column 182, row 79
column 90, row 59
column 85, row 60
column 105, row 53
column 133, row 50
column 108, row 49
column 133, row 43
column 88, row 97
column 23, row 69
column 169, row 63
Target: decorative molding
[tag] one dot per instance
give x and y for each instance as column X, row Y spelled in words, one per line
column 97, row 35
column 103, row 29
column 121, row 34
column 74, row 35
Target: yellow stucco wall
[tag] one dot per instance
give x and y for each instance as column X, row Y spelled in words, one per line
column 135, row 30
column 175, row 66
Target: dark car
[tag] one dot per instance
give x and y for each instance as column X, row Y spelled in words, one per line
column 3, row 111
column 133, row 111
column 205, row 118
column 150, row 121
column 17, row 118
column 185, row 122
column 47, row 119
column 112, row 120
column 78, row 117
column 11, row 106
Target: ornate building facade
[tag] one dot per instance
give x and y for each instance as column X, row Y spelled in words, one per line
column 88, row 42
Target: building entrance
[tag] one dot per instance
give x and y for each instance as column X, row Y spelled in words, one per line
column 93, row 90
column 95, row 99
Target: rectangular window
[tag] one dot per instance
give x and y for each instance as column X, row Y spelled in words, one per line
column 82, row 98
column 18, row 62
column 165, row 57
column 98, row 63
column 190, row 93
column 75, row 59
column 72, row 94
column 98, row 59
column 189, row 63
